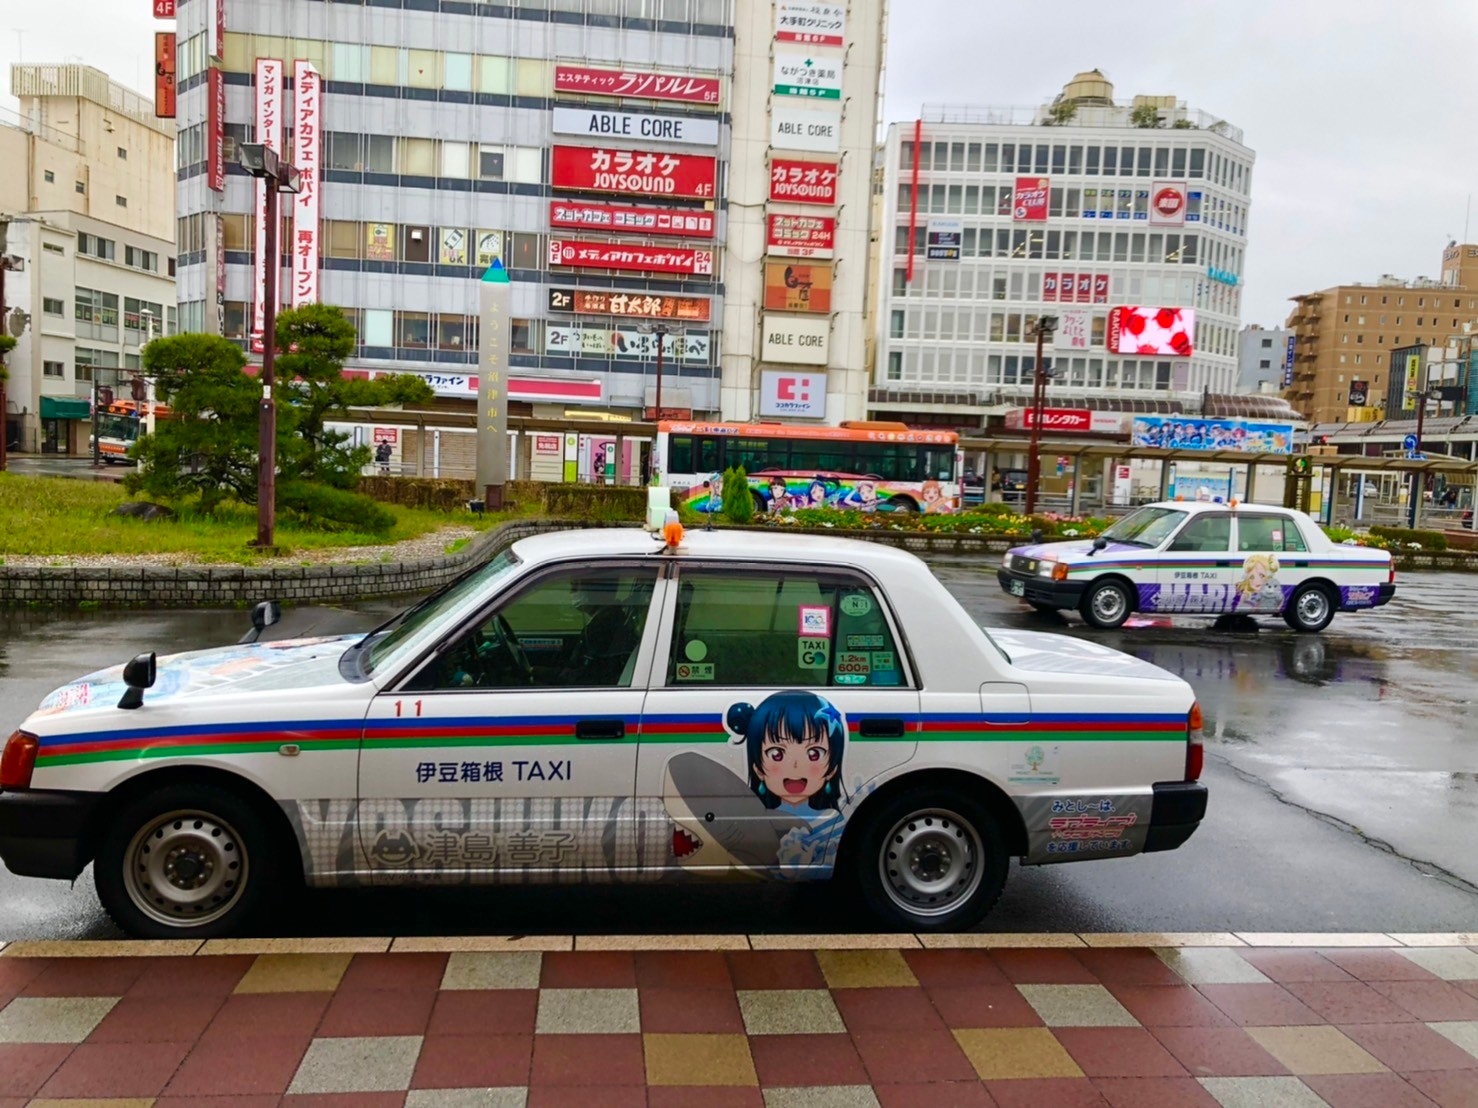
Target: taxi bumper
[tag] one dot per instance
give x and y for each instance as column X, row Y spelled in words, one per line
column 1035, row 589
column 44, row 833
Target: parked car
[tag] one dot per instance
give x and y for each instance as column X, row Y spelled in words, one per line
column 1181, row 558
column 594, row 707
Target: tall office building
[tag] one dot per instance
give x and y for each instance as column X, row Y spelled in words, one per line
column 86, row 239
column 636, row 165
column 1125, row 221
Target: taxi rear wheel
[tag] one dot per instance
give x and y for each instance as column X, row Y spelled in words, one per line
column 1311, row 609
column 185, row 861
column 1106, row 604
column 930, row 859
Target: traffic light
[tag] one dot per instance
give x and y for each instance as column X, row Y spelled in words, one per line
column 1302, row 465
column 138, row 389
column 105, row 395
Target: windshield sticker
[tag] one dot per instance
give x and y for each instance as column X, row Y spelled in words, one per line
column 864, row 642
column 851, row 679
column 813, row 653
column 853, row 663
column 695, row 671
column 856, row 604
column 883, row 659
column 696, row 650
column 1037, row 765
column 815, row 622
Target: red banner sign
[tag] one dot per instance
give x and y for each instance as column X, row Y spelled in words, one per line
column 644, row 86
column 1053, row 419
column 164, row 90
column 1100, row 288
column 798, row 182
column 163, row 9
column 630, row 305
column 613, row 255
column 215, row 129
column 1029, row 201
column 634, row 172
column 635, row 221
column 1049, row 288
column 801, row 236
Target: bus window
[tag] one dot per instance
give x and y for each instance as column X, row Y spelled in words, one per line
column 705, row 456
column 821, row 456
column 937, row 462
column 881, row 460
column 680, row 454
column 754, row 454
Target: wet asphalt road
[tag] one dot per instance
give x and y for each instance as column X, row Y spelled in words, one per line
column 1343, row 771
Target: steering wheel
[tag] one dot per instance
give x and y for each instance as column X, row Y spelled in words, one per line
column 514, row 651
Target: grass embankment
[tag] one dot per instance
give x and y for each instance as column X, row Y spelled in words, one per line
column 60, row 517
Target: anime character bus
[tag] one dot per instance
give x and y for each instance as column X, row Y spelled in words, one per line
column 118, row 427
column 882, row 467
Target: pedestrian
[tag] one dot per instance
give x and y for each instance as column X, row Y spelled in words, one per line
column 1449, row 498
column 382, row 458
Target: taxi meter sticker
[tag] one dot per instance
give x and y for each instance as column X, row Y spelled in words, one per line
column 813, row 653
column 852, row 662
column 855, row 604
column 864, row 642
column 815, row 622
column 883, row 660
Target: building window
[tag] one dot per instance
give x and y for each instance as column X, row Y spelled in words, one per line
column 82, row 187
column 50, row 177
column 895, row 365
column 54, row 306
column 412, row 330
column 53, row 369
column 525, row 251
column 122, row 153
column 53, row 248
column 417, row 245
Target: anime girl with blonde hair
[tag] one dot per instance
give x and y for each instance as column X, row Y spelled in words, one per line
column 1259, row 588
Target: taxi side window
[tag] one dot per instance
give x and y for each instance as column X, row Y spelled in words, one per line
column 1208, row 533
column 1269, row 533
column 567, row 631
column 787, row 629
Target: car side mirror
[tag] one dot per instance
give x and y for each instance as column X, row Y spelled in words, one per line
column 263, row 616
column 138, row 675
column 1100, row 543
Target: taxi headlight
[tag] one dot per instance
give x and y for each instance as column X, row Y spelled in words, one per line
column 1006, row 560
column 1044, row 569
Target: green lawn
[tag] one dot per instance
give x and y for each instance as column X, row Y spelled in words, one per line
column 60, row 517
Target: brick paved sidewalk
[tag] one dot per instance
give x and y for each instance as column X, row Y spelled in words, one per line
column 504, row 1023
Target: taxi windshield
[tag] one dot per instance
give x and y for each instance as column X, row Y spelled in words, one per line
column 1146, row 527
column 415, row 627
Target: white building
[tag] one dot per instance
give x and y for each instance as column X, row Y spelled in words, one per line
column 993, row 218
column 86, row 215
column 1264, row 359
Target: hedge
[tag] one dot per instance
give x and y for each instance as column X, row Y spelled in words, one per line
column 1429, row 540
column 598, row 503
column 438, row 493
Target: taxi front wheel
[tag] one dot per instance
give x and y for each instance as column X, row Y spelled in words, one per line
column 1106, row 604
column 931, row 859
column 184, row 861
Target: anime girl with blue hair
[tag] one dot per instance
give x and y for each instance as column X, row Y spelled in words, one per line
column 794, row 743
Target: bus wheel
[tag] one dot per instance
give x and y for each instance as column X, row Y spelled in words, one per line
column 903, row 505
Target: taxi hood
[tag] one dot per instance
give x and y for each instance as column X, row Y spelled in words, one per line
column 281, row 664
column 1074, row 548
column 1043, row 652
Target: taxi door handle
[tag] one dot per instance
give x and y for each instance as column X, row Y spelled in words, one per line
column 878, row 728
column 1225, row 565
column 606, row 729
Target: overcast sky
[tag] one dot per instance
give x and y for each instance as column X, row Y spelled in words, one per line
column 1361, row 112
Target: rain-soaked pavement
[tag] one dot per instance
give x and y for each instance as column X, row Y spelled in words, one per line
column 1343, row 771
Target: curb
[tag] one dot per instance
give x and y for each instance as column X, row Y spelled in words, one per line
column 155, row 948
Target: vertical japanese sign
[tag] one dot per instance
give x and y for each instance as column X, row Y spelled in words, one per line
column 215, row 129
column 1288, row 363
column 220, row 274
column 307, row 109
column 164, row 90
column 218, row 31
column 269, row 133
column 494, row 339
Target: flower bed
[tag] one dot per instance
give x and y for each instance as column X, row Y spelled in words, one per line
column 1004, row 524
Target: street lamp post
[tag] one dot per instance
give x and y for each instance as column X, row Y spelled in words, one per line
column 278, row 176
column 1045, row 326
column 1418, row 479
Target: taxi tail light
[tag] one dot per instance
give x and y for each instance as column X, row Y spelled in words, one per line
column 1059, row 571
column 18, row 761
column 1195, row 752
column 1392, row 579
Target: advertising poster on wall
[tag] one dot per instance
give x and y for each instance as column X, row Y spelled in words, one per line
column 1050, row 287
column 452, row 246
column 1187, row 433
column 785, row 393
column 1168, row 204
column 164, row 90
column 1074, row 331
column 489, row 246
column 379, row 242
column 800, row 182
column 796, row 339
column 307, row 145
column 811, row 24
column 1029, row 200
column 797, row 287
column 943, row 238
column 623, row 342
column 269, row 109
column 809, row 75
column 1359, row 393
column 686, row 223
column 631, row 305
column 800, row 236
column 588, row 81
column 816, row 130
column 1100, row 287
column 633, row 172
column 651, row 259
column 1157, row 332
column 596, row 123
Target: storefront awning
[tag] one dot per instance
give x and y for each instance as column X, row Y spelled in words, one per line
column 65, row 407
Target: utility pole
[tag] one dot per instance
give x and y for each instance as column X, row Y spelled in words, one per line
column 1045, row 326
column 4, row 404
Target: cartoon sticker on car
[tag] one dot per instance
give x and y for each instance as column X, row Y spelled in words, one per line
column 1259, row 589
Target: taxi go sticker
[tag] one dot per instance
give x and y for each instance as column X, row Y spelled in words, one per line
column 813, row 653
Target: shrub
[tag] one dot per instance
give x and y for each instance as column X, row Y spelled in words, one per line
column 1429, row 540
column 597, row 503
column 738, row 501
column 440, row 493
column 323, row 508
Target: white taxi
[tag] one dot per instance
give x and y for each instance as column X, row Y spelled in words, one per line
column 597, row 706
column 1182, row 558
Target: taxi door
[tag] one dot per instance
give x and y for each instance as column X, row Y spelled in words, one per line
column 1196, row 574
column 509, row 753
column 1272, row 561
column 779, row 694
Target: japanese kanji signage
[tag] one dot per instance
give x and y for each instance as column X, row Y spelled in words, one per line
column 218, row 31
column 612, row 255
column 624, row 342
column 494, row 337
column 810, row 23
column 644, row 86
column 307, row 112
column 801, row 236
column 633, row 172
column 797, row 182
column 164, row 90
column 797, row 287
column 684, row 222
column 630, row 305
column 808, row 75
column 1029, row 204
column 269, row 132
